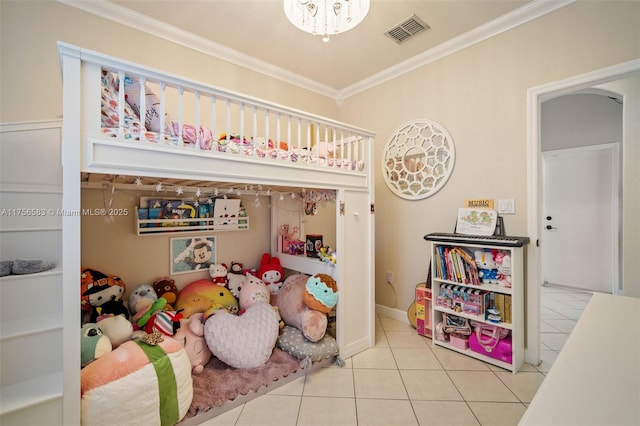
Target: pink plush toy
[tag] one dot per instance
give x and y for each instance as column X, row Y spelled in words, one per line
column 191, row 336
column 253, row 290
column 295, row 312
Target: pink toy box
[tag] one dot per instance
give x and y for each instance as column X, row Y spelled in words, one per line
column 502, row 351
column 423, row 311
column 459, row 341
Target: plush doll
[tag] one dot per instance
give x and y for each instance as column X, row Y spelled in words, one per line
column 104, row 292
column 166, row 287
column 116, row 327
column 254, row 290
column 271, row 272
column 295, row 312
column 487, row 267
column 191, row 336
column 235, row 279
column 93, row 343
column 218, row 273
column 205, row 296
column 141, row 300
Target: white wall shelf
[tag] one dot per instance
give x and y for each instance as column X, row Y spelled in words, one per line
column 144, row 227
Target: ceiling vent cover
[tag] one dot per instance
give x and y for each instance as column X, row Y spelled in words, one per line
column 407, row 29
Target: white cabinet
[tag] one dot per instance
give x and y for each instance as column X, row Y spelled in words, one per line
column 462, row 288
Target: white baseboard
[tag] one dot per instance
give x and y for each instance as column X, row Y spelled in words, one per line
column 396, row 314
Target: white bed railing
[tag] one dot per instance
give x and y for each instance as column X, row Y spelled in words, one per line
column 184, row 114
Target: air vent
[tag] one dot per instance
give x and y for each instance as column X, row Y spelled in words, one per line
column 407, row 29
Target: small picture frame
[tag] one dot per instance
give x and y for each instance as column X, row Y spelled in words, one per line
column 192, row 254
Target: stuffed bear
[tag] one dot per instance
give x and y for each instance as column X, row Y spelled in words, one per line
column 271, row 272
column 166, row 287
column 191, row 336
column 296, row 313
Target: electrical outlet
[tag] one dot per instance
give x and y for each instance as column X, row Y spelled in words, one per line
column 389, row 277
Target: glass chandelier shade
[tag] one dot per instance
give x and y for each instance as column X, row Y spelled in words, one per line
column 326, row 17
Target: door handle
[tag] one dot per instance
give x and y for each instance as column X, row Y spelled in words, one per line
column 550, row 227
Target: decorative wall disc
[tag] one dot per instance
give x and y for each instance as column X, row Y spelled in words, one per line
column 418, row 159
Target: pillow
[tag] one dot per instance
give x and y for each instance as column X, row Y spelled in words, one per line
column 292, row 341
column 244, row 341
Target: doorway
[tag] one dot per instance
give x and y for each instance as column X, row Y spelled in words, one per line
column 535, row 97
column 580, row 217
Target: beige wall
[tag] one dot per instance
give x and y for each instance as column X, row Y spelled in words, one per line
column 31, row 86
column 479, row 95
column 113, row 247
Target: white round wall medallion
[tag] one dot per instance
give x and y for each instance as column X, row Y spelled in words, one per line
column 418, row 159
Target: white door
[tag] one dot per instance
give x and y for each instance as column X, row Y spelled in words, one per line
column 355, row 237
column 580, row 217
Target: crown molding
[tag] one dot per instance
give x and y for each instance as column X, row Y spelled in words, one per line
column 140, row 22
column 522, row 15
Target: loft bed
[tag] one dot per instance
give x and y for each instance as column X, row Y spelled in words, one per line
column 124, row 119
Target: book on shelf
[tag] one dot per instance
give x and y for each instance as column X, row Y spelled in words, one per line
column 456, row 264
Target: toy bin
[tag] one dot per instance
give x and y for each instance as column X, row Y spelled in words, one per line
column 459, row 341
column 502, row 351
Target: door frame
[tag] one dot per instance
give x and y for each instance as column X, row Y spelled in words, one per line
column 614, row 149
column 535, row 97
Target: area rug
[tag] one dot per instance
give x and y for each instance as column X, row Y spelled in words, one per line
column 220, row 384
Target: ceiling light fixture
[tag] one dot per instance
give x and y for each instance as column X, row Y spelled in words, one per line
column 326, row 17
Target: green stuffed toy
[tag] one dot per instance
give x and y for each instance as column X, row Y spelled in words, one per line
column 93, row 343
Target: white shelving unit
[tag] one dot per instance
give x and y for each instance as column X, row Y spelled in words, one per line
column 514, row 247
column 31, row 325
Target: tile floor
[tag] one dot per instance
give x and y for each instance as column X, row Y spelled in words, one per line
column 404, row 381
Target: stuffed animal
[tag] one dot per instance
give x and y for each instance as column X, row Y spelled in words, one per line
column 191, row 336
column 295, row 312
column 321, row 293
column 487, row 267
column 93, row 343
column 116, row 327
column 245, row 341
column 235, row 278
column 205, row 296
column 102, row 291
column 166, row 287
column 218, row 273
column 137, row 383
column 271, row 272
column 141, row 299
column 165, row 322
column 254, row 290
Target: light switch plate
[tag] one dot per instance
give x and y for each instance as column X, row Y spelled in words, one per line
column 507, row 206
